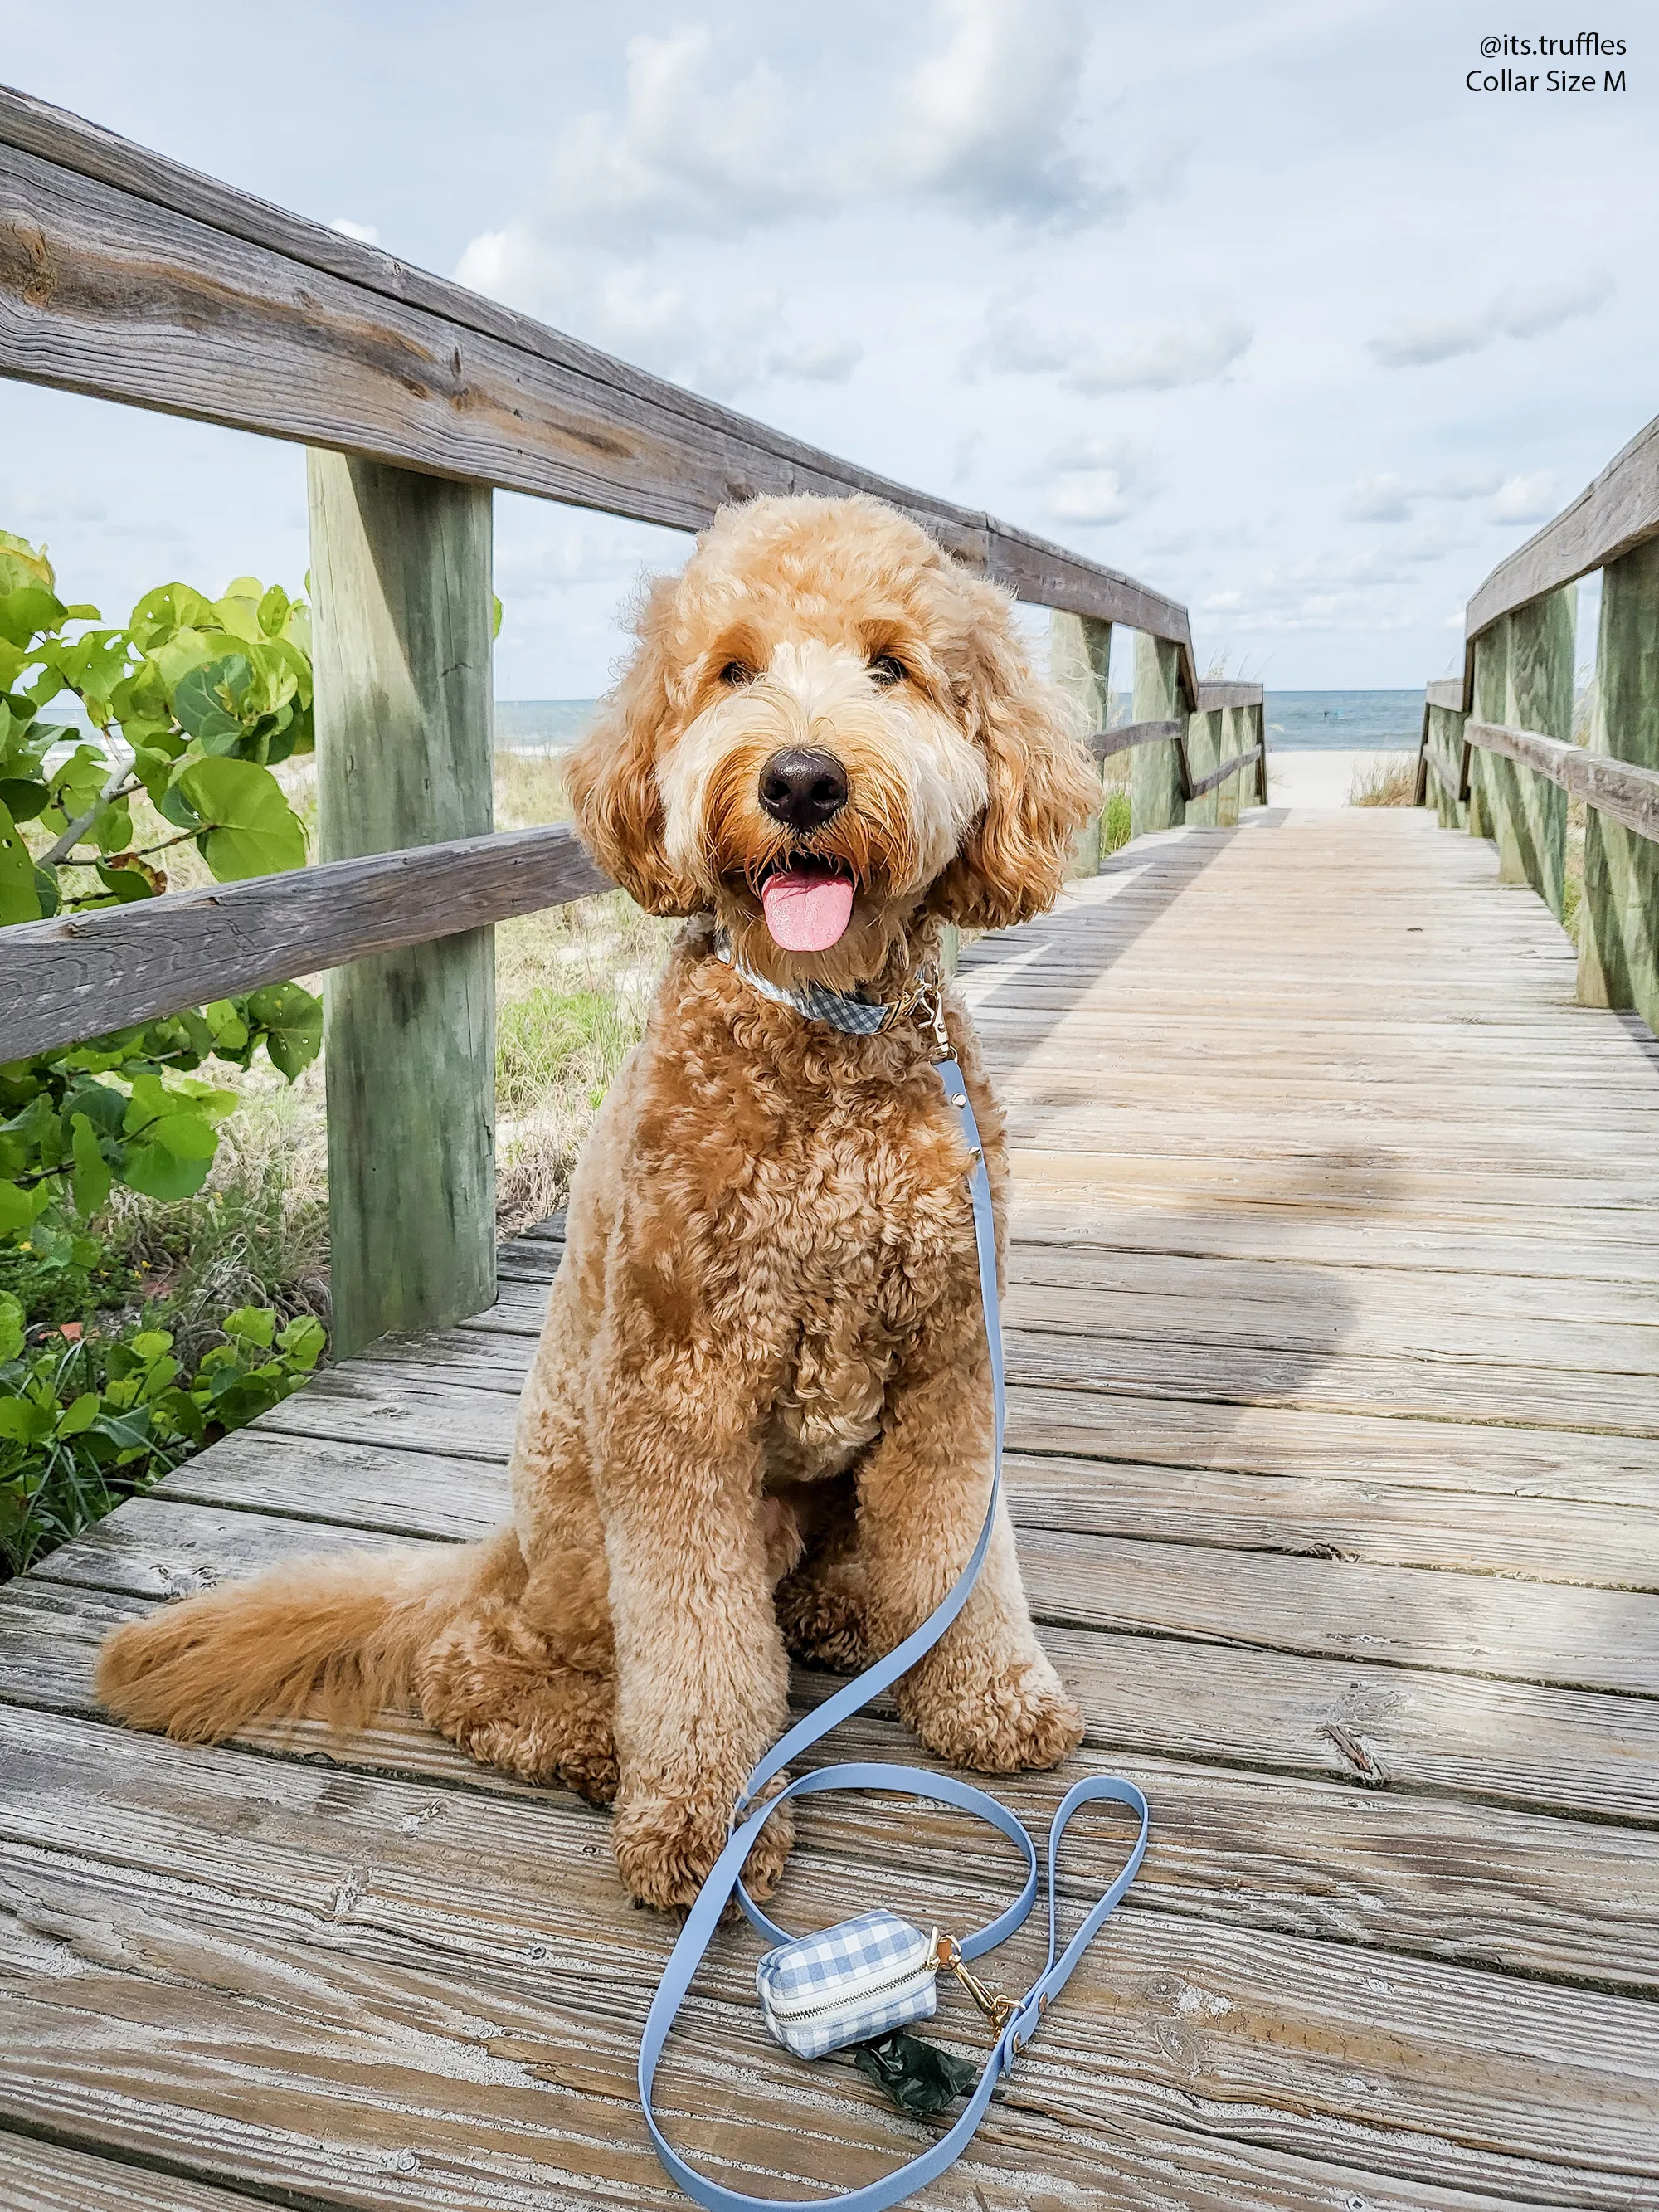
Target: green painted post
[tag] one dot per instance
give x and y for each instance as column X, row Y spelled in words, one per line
column 1619, row 921
column 1236, row 732
column 1446, row 745
column 1484, row 819
column 1155, row 800
column 402, row 611
column 1079, row 663
column 1541, row 640
column 1206, row 740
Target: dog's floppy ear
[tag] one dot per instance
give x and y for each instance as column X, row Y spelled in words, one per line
column 612, row 777
column 1043, row 787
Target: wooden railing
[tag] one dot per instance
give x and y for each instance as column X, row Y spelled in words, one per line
column 129, row 278
column 1497, row 757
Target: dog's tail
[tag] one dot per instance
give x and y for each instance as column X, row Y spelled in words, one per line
column 339, row 1638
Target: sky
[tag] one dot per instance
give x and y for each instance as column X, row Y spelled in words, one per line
column 1260, row 303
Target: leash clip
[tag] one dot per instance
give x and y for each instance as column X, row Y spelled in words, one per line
column 996, row 2008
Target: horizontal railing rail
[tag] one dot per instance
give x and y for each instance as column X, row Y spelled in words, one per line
column 1498, row 742
column 1612, row 787
column 1212, row 698
column 82, row 975
column 1609, row 518
column 129, row 277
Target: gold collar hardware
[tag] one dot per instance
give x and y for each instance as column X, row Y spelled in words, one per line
column 996, row 2008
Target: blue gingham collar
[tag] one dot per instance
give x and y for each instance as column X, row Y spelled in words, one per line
column 850, row 1012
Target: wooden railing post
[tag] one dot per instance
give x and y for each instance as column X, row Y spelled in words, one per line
column 1205, row 751
column 1154, row 792
column 1618, row 925
column 1485, row 815
column 1538, row 681
column 1237, row 734
column 1079, row 664
column 401, row 607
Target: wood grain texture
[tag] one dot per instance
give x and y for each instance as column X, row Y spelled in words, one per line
column 1335, row 1467
column 402, row 599
column 1609, row 518
column 1103, row 744
column 80, row 976
column 1619, row 933
column 46, row 2176
column 1625, row 795
column 1158, row 782
column 129, row 277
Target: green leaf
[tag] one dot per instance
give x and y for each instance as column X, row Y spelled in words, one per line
column 210, row 702
column 170, row 607
column 19, row 899
column 303, row 1342
column 23, row 797
column 79, row 1416
column 252, row 1325
column 19, row 564
column 11, row 1327
column 17, row 1211
column 91, row 1179
column 228, row 1027
column 291, row 1019
column 27, row 611
column 251, row 830
column 25, row 1420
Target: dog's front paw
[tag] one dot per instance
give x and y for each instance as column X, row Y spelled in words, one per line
column 665, row 1845
column 1018, row 1717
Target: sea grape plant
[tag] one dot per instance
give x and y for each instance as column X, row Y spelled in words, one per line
column 191, row 703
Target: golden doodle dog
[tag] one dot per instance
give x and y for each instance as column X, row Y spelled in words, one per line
column 760, row 1418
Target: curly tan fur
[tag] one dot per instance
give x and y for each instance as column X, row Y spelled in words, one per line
column 759, row 1418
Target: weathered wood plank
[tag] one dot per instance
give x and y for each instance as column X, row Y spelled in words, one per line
column 46, row 2176
column 129, row 277
column 1079, row 666
column 1577, row 1638
column 1623, row 793
column 402, row 599
column 1512, row 1743
column 80, row 976
column 1610, row 517
column 1619, row 928
column 393, row 2079
column 1158, row 776
column 376, row 1918
column 1103, row 744
column 1560, row 1900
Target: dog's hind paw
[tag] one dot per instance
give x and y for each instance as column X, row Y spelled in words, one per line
column 1017, row 1718
column 665, row 1846
column 822, row 1610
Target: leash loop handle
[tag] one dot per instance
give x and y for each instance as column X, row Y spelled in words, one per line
column 750, row 1817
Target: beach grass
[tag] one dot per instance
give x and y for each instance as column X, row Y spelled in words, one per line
column 1389, row 780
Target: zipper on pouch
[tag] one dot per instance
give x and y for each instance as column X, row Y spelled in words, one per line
column 862, row 1994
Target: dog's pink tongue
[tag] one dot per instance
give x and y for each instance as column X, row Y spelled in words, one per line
column 806, row 912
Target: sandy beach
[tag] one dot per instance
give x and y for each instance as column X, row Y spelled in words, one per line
column 1321, row 779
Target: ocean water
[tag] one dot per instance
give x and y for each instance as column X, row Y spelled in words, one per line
column 1342, row 721
column 1297, row 721
column 541, row 726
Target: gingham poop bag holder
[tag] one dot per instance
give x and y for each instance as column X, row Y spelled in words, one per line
column 867, row 1977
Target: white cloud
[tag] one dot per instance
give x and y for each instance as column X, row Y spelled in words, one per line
column 1384, row 498
column 1527, row 498
column 707, row 146
column 1416, row 341
column 1098, row 481
column 1162, row 358
column 364, row 233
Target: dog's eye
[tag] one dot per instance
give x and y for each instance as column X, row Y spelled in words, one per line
column 737, row 673
column 887, row 670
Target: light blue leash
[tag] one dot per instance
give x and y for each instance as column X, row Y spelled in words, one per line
column 1016, row 2020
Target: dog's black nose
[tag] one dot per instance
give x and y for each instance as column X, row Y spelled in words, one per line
column 803, row 790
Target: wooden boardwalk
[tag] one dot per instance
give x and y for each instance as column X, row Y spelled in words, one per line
column 1331, row 1334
